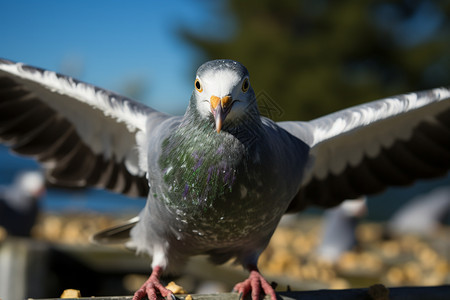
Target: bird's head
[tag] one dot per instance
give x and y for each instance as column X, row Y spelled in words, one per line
column 222, row 91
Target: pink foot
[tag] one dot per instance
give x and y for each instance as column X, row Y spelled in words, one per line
column 153, row 287
column 255, row 283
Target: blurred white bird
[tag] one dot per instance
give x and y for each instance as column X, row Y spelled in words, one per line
column 19, row 205
column 422, row 214
column 338, row 233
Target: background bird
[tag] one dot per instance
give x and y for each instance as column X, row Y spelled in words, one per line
column 19, row 203
column 219, row 178
column 422, row 215
column 338, row 232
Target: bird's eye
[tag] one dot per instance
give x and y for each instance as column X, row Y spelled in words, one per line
column 198, row 86
column 245, row 85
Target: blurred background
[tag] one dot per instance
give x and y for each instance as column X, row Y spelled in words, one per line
column 306, row 59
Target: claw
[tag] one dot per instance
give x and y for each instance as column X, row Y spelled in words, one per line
column 153, row 287
column 255, row 283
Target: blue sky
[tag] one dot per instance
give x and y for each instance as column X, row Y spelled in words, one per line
column 109, row 43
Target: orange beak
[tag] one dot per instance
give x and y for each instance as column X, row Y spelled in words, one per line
column 220, row 107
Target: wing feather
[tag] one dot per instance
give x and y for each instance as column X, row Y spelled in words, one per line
column 363, row 149
column 83, row 135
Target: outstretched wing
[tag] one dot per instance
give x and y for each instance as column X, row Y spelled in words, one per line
column 83, row 135
column 363, row 149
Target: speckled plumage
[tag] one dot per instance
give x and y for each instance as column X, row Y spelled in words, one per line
column 219, row 193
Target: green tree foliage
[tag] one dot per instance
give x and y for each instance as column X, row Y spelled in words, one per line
column 315, row 57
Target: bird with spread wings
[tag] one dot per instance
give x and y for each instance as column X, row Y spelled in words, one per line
column 219, row 178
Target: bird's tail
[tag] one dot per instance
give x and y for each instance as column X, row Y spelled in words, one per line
column 119, row 234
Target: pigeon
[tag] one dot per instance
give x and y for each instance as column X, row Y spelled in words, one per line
column 422, row 215
column 219, row 178
column 19, row 203
column 338, row 229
